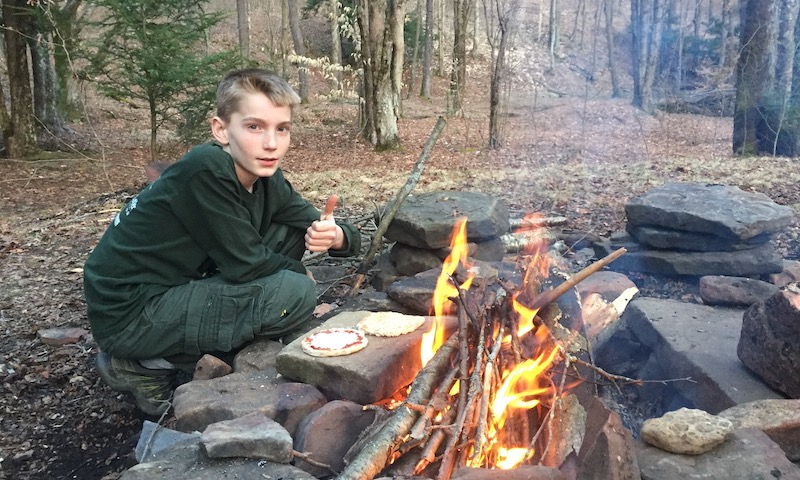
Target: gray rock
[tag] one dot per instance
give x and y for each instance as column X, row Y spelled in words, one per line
column 607, row 451
column 328, row 433
column 687, row 431
column 252, row 436
column 779, row 419
column 427, row 220
column 258, row 356
column 721, row 210
column 669, row 239
column 155, row 438
column 61, row 335
column 789, row 274
column 749, row 454
column 524, row 472
column 408, row 260
column 734, row 291
column 415, row 293
column 743, row 263
column 697, row 342
column 374, row 373
column 770, row 340
column 186, row 460
column 198, row 404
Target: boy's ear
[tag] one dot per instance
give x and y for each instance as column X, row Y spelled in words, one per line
column 219, row 130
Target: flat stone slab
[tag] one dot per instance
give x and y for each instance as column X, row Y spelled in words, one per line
column 761, row 260
column 367, row 376
column 699, row 342
column 427, row 220
column 748, row 455
column 722, row 210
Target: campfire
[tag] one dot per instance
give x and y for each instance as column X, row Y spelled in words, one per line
column 487, row 396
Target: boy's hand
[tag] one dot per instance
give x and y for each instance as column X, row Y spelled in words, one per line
column 324, row 234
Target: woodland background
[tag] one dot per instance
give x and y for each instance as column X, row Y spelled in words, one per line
column 562, row 108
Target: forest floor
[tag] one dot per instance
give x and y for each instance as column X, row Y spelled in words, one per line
column 564, row 154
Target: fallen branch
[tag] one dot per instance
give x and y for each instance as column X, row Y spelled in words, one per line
column 377, row 239
column 376, row 454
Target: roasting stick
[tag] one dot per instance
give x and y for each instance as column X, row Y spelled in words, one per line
column 549, row 296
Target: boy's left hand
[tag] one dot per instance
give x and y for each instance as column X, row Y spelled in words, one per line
column 323, row 235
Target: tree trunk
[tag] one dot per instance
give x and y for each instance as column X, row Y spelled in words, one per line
column 646, row 26
column 415, row 54
column 755, row 74
column 616, row 91
column 554, row 32
column 381, row 27
column 498, row 69
column 285, row 37
column 20, row 138
column 67, row 24
column 427, row 52
column 336, row 43
column 299, row 47
column 243, row 22
column 44, row 80
column 724, row 32
column 458, row 74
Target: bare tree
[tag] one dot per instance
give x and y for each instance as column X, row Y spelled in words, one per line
column 243, row 24
column 554, row 35
column 299, row 47
column 616, row 91
column 458, row 72
column 504, row 13
column 427, row 52
column 20, row 133
column 765, row 118
column 380, row 25
column 415, row 54
column 336, row 42
column 647, row 23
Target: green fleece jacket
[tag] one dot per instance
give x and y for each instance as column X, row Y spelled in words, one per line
column 195, row 220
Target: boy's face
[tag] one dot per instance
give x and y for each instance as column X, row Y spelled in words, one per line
column 257, row 137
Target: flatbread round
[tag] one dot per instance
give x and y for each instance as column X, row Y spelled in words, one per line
column 390, row 324
column 333, row 342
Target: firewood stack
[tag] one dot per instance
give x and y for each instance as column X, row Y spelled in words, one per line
column 485, row 398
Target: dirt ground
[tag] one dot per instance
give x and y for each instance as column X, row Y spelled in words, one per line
column 565, row 154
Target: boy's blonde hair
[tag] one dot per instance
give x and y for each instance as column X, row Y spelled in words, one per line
column 252, row 80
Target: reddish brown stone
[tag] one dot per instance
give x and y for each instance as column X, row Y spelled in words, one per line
column 608, row 451
column 209, row 367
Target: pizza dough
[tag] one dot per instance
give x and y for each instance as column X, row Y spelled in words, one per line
column 333, row 342
column 390, row 324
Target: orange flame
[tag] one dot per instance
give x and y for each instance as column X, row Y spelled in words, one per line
column 445, row 290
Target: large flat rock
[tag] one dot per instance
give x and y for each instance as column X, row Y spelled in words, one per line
column 699, row 342
column 761, row 260
column 427, row 220
column 722, row 210
column 367, row 376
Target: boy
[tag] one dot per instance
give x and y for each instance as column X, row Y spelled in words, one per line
column 208, row 256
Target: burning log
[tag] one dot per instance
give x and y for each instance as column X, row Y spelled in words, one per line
column 378, row 452
column 489, row 386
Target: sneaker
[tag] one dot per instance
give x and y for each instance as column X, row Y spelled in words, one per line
column 151, row 389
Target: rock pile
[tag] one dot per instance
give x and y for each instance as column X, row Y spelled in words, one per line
column 700, row 229
column 423, row 227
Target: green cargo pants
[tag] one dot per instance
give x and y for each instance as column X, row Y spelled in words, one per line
column 213, row 315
